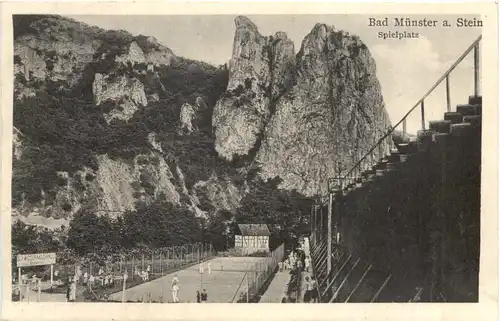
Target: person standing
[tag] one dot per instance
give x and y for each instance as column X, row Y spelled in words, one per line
column 201, row 268
column 175, row 289
column 308, row 263
column 198, row 297
column 68, row 291
column 72, row 295
column 209, row 267
column 307, row 287
column 204, row 296
column 314, row 290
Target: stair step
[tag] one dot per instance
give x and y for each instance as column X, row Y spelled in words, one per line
column 469, row 110
column 424, row 139
column 475, row 100
column 454, row 117
column 395, row 158
column 463, row 129
column 392, row 166
column 441, row 138
column 440, row 126
column 474, row 120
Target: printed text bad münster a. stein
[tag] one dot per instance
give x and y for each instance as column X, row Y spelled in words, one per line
column 419, row 23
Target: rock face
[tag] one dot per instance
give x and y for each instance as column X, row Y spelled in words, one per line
column 127, row 92
column 259, row 70
column 114, row 112
column 187, row 115
column 311, row 111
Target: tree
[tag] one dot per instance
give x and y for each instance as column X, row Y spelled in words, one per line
column 87, row 233
column 286, row 212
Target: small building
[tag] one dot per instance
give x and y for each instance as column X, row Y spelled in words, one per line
column 151, row 67
column 253, row 238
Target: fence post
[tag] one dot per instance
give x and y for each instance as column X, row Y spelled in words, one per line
column 476, row 69
column 422, row 113
column 161, row 265
column 124, row 286
column 448, row 101
column 142, row 259
column 248, row 289
column 133, row 266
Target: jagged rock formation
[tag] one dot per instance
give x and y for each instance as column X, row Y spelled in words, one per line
column 322, row 107
column 187, row 115
column 121, row 119
column 259, row 70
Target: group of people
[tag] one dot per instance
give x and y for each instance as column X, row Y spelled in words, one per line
column 311, row 289
column 143, row 274
column 201, row 297
column 202, row 268
column 295, row 259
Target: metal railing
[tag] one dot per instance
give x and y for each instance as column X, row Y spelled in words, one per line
column 365, row 163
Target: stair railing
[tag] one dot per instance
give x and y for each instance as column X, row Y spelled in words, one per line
column 366, row 161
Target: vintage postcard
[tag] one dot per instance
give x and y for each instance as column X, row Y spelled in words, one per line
column 307, row 155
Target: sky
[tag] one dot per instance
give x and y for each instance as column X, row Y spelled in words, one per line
column 406, row 68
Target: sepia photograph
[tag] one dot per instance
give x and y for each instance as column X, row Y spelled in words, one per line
column 247, row 158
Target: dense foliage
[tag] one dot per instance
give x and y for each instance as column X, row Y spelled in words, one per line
column 64, row 130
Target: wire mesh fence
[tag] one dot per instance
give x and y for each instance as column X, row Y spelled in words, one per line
column 104, row 275
column 258, row 274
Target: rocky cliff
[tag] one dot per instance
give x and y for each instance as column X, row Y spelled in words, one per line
column 95, row 115
column 299, row 116
column 105, row 120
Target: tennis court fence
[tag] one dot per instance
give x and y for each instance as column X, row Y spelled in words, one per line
column 258, row 274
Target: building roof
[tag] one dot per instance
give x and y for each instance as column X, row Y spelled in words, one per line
column 254, row 230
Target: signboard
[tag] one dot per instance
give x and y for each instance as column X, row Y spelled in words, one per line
column 24, row 260
column 334, row 185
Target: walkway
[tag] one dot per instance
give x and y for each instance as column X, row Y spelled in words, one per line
column 276, row 290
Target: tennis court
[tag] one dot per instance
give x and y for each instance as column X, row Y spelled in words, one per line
column 222, row 284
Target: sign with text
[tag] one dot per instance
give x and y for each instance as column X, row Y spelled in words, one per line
column 24, row 260
column 334, row 185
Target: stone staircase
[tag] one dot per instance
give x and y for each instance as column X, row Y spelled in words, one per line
column 452, row 146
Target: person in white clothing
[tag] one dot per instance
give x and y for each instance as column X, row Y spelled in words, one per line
column 209, row 267
column 308, row 263
column 175, row 289
column 201, row 268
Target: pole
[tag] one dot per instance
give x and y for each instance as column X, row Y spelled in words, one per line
column 248, row 288
column 19, row 281
column 448, row 102
column 39, row 290
column 51, row 275
column 133, row 266
column 476, row 70
column 330, row 236
column 422, row 114
column 161, row 265
column 152, row 261
column 124, row 286
column 142, row 260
